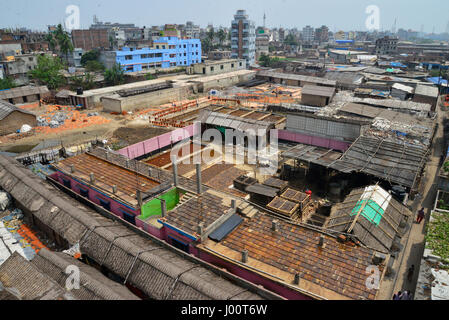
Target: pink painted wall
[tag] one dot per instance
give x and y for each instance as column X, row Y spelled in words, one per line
column 312, row 140
column 159, row 233
column 94, row 195
column 251, row 276
column 150, row 145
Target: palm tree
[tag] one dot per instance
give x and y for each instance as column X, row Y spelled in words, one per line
column 115, row 75
column 64, row 41
column 221, row 36
column 51, row 41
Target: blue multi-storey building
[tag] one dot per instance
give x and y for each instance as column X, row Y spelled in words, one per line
column 166, row 52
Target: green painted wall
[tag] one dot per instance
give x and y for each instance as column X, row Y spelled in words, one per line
column 153, row 207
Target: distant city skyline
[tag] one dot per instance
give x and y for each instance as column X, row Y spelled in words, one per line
column 346, row 15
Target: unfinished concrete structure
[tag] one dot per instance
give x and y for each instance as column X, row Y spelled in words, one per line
column 24, row 94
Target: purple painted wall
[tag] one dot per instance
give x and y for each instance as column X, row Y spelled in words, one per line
column 252, row 276
column 95, row 196
column 150, row 145
column 314, row 141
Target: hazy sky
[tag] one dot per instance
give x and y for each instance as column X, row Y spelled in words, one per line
column 337, row 14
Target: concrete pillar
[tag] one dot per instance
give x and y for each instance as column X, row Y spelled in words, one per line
column 321, row 241
column 175, row 170
column 139, row 198
column 274, row 225
column 297, row 278
column 107, row 155
column 201, row 229
column 72, row 168
column 114, row 189
column 163, row 208
column 198, row 178
column 234, row 204
column 245, row 256
column 92, row 178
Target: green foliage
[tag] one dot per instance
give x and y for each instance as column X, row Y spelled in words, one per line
column 437, row 238
column 446, row 166
column 86, row 82
column 206, row 45
column 7, row 83
column 63, row 39
column 115, row 75
column 48, row 71
column 221, row 34
column 266, row 61
column 442, row 205
column 94, row 66
column 290, row 40
column 92, row 55
column 150, row 76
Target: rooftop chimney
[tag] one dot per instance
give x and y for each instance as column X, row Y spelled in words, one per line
column 175, row 170
column 245, row 256
column 92, row 178
column 198, row 178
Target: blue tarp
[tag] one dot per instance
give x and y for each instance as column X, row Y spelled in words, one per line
column 397, row 65
column 226, row 228
column 437, row 80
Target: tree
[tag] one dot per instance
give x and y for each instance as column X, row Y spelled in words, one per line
column 264, row 60
column 51, row 41
column 94, row 66
column 86, row 82
column 221, row 34
column 92, row 55
column 115, row 75
column 210, row 35
column 7, row 83
column 48, row 71
column 291, row 40
column 63, row 39
column 206, row 45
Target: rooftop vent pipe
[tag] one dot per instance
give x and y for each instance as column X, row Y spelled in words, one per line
column 175, row 170
column 92, row 178
column 198, row 178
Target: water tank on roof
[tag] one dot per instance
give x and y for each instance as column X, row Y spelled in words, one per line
column 79, row 91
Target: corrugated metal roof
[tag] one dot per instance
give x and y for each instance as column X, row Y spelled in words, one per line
column 289, row 76
column 22, row 91
column 226, row 228
column 426, row 90
column 318, row 91
column 6, row 108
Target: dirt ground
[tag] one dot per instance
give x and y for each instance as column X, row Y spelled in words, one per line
column 131, row 135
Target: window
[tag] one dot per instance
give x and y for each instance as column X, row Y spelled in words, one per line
column 185, row 46
column 157, row 47
column 221, row 67
column 232, row 65
column 129, row 68
column 211, row 69
column 84, row 192
column 163, row 47
column 179, row 244
column 185, row 54
column 196, row 45
column 128, row 217
column 240, row 64
column 105, row 204
column 66, row 183
column 158, row 55
column 129, row 57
